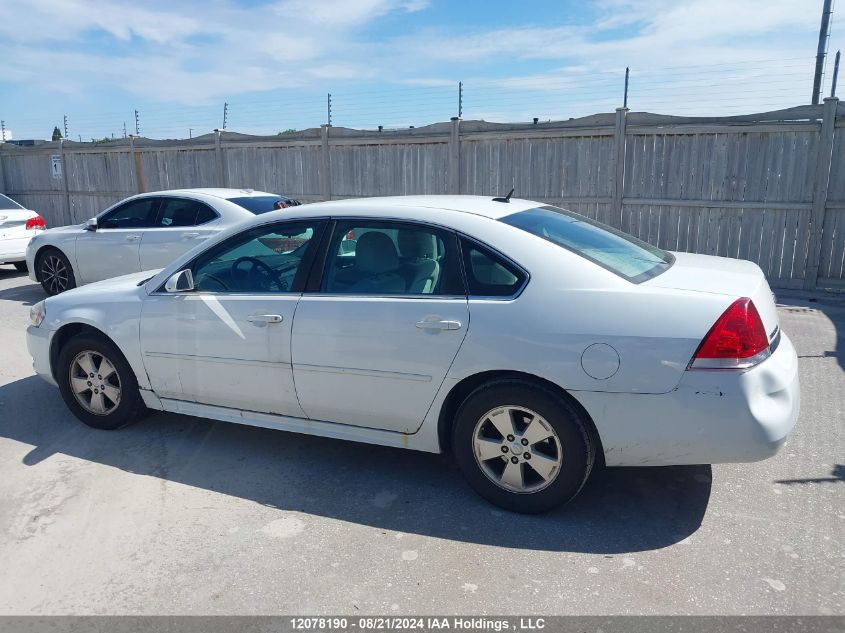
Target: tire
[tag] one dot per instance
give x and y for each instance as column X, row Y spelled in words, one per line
column 555, row 468
column 120, row 402
column 54, row 272
column 21, row 266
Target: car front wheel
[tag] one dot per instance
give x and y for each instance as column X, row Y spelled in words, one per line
column 55, row 272
column 97, row 383
column 522, row 446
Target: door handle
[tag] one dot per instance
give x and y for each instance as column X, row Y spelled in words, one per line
column 438, row 324
column 265, row 318
column 132, row 238
column 189, row 236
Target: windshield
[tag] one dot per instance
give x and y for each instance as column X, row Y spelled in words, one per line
column 8, row 203
column 257, row 204
column 618, row 252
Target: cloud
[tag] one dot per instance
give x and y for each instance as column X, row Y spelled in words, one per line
column 198, row 53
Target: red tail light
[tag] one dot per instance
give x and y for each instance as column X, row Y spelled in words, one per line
column 36, row 223
column 736, row 341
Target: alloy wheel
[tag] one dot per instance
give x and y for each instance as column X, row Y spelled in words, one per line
column 94, row 382
column 54, row 274
column 517, row 449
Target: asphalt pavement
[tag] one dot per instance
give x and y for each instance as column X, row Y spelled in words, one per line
column 180, row 515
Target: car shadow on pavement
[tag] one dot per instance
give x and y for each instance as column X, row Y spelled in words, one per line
column 620, row 510
column 832, row 307
column 24, row 295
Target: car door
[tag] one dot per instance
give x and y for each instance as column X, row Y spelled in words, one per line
column 113, row 248
column 180, row 224
column 227, row 342
column 372, row 344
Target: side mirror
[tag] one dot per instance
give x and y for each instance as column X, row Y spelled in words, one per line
column 91, row 225
column 183, row 281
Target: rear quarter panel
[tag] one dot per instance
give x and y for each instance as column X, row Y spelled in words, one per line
column 570, row 304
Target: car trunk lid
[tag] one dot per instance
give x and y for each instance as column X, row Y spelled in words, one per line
column 733, row 278
column 13, row 221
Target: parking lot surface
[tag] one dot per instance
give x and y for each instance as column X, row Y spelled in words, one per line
column 180, row 515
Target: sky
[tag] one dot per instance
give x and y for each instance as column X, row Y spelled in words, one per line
column 395, row 63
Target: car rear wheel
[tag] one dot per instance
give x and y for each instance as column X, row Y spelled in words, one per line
column 522, row 446
column 21, row 266
column 97, row 383
column 55, row 272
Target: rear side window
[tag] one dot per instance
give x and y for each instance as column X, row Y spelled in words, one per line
column 7, row 204
column 613, row 250
column 488, row 274
column 182, row 212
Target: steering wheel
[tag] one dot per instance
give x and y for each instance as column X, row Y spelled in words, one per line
column 268, row 274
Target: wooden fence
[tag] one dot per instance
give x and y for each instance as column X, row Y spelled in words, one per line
column 766, row 187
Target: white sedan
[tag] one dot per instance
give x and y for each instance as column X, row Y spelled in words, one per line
column 18, row 225
column 528, row 341
column 143, row 232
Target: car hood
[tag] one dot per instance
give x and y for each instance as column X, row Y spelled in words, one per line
column 71, row 228
column 110, row 288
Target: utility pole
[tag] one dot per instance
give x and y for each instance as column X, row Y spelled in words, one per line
column 124, row 129
column 225, row 114
column 329, row 107
column 65, row 126
column 625, row 98
column 835, row 75
column 190, row 132
column 137, row 124
column 460, row 99
column 821, row 51
column 3, row 130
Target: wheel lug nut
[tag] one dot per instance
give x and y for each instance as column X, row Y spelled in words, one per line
column 524, row 442
column 514, row 459
column 99, row 377
column 527, row 455
column 504, row 449
column 510, row 438
column 90, row 375
column 89, row 383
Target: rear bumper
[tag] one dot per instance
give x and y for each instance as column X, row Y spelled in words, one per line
column 38, row 343
column 13, row 249
column 711, row 417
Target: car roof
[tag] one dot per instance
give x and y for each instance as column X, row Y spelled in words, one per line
column 404, row 206
column 217, row 192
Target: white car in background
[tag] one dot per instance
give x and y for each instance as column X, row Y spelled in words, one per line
column 143, row 232
column 528, row 341
column 18, row 225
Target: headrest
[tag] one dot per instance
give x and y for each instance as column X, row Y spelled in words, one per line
column 416, row 244
column 375, row 253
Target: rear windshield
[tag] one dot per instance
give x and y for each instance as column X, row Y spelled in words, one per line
column 257, row 204
column 8, row 203
column 618, row 252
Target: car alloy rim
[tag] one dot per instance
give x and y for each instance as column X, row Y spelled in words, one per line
column 517, row 449
column 54, row 273
column 95, row 383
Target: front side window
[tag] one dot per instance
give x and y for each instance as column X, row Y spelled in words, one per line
column 489, row 275
column 181, row 212
column 613, row 250
column 392, row 258
column 265, row 259
column 137, row 214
